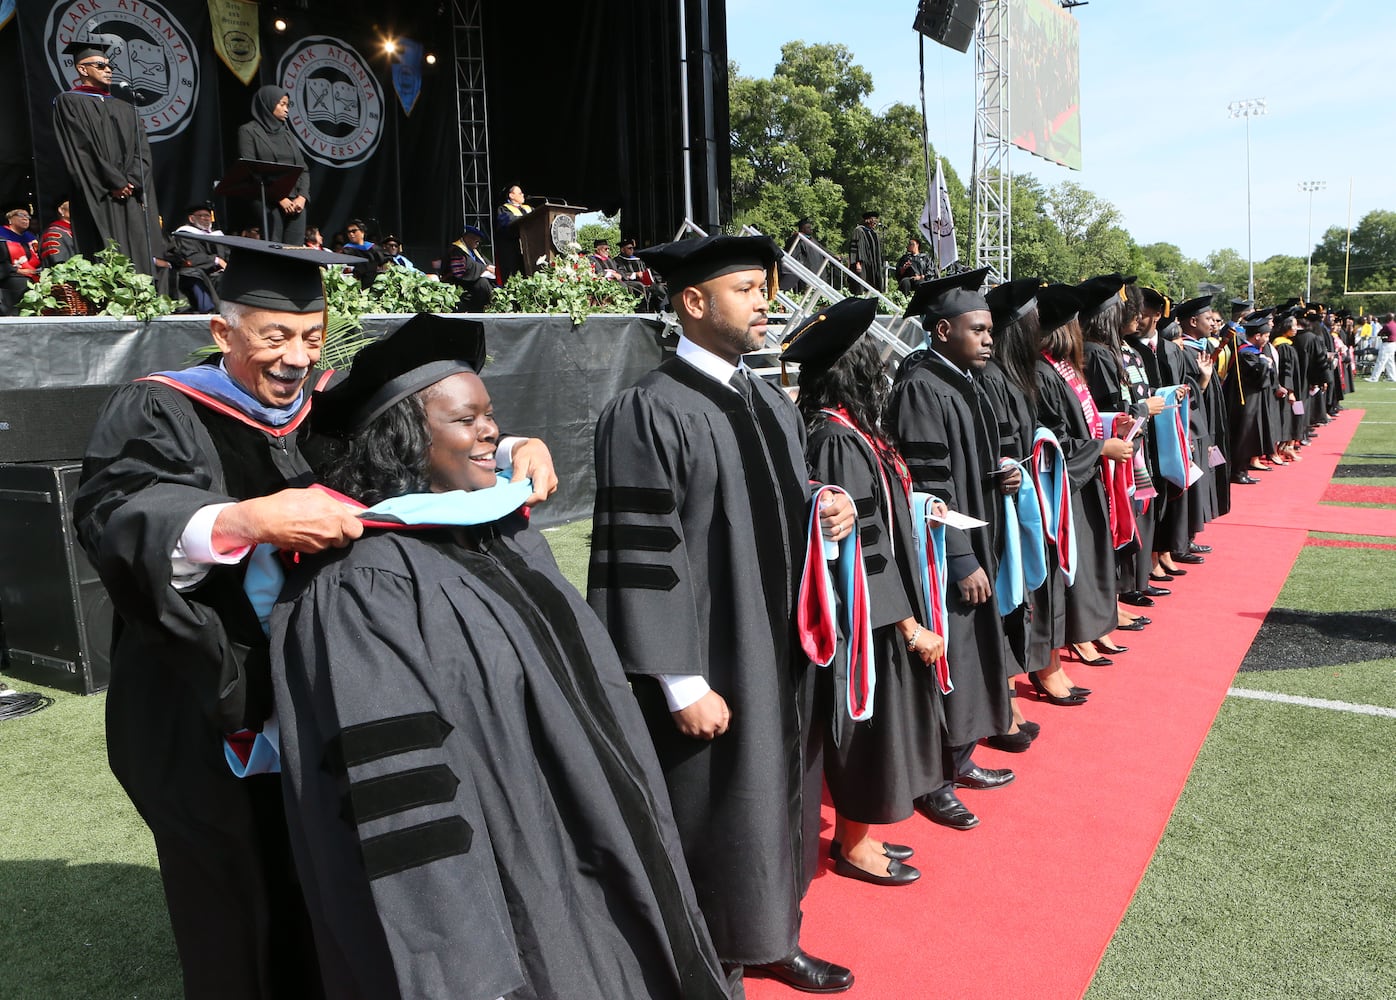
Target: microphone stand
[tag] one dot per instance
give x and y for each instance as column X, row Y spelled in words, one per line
column 135, row 95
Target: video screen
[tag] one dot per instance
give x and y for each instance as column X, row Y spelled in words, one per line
column 1045, row 81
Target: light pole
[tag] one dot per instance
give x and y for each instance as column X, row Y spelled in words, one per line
column 1251, row 108
column 1310, row 187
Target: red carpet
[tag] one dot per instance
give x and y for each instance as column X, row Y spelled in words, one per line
column 1024, row 905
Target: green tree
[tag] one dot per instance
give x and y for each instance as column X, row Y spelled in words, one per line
column 606, row 228
column 1371, row 267
column 1165, row 267
column 1038, row 246
column 1093, row 241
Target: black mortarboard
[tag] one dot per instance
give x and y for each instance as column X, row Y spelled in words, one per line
column 198, row 206
column 1241, row 303
column 948, row 297
column 822, row 339
column 264, row 275
column 1154, row 299
column 1012, row 300
column 1099, row 293
column 1056, row 305
column 390, row 238
column 690, row 262
column 1258, row 320
column 83, row 48
column 595, row 244
column 871, row 213
column 1169, row 328
column 421, row 352
column 1192, row 307
column 473, row 230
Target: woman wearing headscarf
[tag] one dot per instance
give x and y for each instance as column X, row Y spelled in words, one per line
column 268, row 137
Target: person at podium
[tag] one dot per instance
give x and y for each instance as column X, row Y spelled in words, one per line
column 268, row 138
column 508, row 250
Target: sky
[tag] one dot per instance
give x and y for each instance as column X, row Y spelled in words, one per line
column 1156, row 79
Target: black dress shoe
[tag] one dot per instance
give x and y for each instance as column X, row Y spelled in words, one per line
column 1161, row 577
column 1244, row 480
column 1175, row 571
column 944, row 807
column 1009, row 742
column 1081, row 692
column 1199, row 549
column 897, row 873
column 1031, row 728
column 1052, row 699
column 1157, row 591
column 1191, row 558
column 804, row 972
column 1134, row 626
column 983, row 778
column 1136, row 599
column 1141, row 620
column 899, row 852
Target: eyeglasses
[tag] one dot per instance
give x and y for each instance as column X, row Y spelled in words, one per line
column 96, row 65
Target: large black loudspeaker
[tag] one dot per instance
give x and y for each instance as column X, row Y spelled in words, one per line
column 55, row 615
column 44, row 425
column 949, row 22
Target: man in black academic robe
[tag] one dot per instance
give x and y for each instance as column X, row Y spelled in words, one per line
column 185, row 472
column 865, row 252
column 945, row 426
column 108, row 157
column 701, row 512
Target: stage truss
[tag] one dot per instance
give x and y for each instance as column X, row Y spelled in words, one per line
column 993, row 180
column 468, row 39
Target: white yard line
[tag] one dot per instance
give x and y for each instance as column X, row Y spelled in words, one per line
column 1335, row 706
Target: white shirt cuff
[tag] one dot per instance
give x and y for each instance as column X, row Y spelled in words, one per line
column 682, row 690
column 504, row 452
column 194, row 553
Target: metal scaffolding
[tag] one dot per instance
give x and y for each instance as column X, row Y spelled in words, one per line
column 476, row 190
column 993, row 180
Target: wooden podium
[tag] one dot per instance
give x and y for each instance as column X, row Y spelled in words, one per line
column 546, row 231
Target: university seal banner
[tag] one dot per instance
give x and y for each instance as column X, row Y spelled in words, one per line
column 235, row 36
column 154, row 60
column 336, row 100
column 163, row 63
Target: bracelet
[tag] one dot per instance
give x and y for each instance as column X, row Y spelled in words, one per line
column 915, row 634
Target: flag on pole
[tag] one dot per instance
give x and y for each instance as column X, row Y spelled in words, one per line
column 937, row 224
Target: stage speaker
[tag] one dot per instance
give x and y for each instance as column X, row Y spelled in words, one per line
column 55, row 615
column 45, row 425
column 949, row 22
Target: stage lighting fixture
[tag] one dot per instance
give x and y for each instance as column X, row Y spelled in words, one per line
column 280, row 24
column 431, row 59
column 949, row 22
column 390, row 47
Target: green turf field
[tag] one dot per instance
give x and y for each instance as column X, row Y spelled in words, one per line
column 1275, row 877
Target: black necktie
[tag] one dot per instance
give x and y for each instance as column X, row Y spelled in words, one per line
column 742, row 383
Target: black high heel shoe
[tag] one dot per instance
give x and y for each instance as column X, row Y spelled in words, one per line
column 1104, row 647
column 1074, row 652
column 1050, row 698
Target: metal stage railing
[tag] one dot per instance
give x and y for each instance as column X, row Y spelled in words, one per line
column 828, row 280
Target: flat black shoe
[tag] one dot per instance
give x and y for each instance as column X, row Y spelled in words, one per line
column 1031, row 728
column 1198, row 549
column 1175, row 571
column 1050, row 698
column 1161, row 577
column 983, row 778
column 1009, row 742
column 1191, row 558
column 1136, row 599
column 1134, row 626
column 808, row 974
column 1141, row 620
column 897, row 873
column 944, row 807
column 1158, row 591
column 898, row 852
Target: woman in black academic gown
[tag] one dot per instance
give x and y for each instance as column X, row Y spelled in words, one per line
column 1107, row 317
column 880, row 765
column 1065, row 407
column 474, row 804
column 268, row 137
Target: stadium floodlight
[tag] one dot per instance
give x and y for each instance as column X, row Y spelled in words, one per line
column 1253, row 107
column 1310, row 187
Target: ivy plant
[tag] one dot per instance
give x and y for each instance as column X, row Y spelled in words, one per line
column 108, row 282
column 565, row 285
